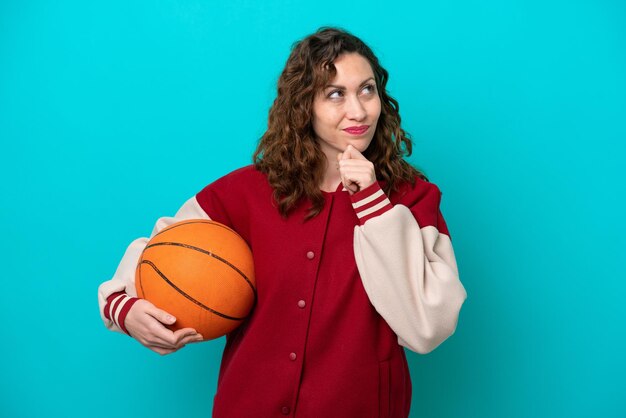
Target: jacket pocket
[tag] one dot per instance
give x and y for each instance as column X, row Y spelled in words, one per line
column 384, row 389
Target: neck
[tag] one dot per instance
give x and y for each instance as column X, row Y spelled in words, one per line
column 331, row 179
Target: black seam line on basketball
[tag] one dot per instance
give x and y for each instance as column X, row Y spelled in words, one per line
column 217, row 257
column 200, row 304
column 199, row 221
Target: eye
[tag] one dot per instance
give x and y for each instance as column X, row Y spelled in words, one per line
column 369, row 89
column 335, row 94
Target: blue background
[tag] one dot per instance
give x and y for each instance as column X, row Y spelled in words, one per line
column 113, row 113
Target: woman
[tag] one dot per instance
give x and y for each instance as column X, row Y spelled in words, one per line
column 353, row 259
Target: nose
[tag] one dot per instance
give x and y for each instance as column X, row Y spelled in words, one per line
column 355, row 109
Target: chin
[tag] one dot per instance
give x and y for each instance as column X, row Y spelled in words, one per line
column 361, row 146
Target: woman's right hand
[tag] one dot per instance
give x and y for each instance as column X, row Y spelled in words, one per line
column 145, row 322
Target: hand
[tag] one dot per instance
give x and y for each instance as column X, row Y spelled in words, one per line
column 145, row 322
column 356, row 171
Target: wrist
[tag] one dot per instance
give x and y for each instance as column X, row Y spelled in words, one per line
column 117, row 307
column 370, row 202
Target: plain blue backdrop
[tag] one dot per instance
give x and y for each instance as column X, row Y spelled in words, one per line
column 113, row 113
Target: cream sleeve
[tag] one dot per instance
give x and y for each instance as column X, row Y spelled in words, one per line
column 409, row 272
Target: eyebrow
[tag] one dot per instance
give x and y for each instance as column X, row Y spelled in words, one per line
column 343, row 88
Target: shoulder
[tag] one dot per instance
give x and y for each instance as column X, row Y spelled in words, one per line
column 422, row 198
column 245, row 173
column 232, row 195
column 239, row 180
column 420, row 191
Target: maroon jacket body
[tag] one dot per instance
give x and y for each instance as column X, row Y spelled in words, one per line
column 314, row 346
column 339, row 297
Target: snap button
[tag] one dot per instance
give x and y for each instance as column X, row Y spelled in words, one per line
column 310, row 255
column 285, row 410
column 292, row 356
column 301, row 304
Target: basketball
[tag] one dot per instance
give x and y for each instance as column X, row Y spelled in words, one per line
column 201, row 272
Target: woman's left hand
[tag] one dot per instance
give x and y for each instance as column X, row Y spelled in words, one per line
column 356, row 171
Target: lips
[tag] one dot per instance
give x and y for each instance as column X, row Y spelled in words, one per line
column 357, row 130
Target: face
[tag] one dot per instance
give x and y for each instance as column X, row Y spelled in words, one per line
column 346, row 111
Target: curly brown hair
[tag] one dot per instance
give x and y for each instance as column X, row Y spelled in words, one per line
column 289, row 153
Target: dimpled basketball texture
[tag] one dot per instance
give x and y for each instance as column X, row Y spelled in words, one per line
column 201, row 272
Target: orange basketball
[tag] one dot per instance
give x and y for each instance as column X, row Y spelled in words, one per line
column 201, row 272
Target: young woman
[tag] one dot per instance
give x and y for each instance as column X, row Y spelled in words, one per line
column 353, row 259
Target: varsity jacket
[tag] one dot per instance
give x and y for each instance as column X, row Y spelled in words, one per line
column 338, row 297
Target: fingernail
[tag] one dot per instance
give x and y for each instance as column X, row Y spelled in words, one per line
column 170, row 318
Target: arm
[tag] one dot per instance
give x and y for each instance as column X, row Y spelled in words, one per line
column 408, row 270
column 117, row 296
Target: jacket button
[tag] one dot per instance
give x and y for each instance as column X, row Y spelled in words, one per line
column 285, row 410
column 310, row 255
column 292, row 356
column 301, row 304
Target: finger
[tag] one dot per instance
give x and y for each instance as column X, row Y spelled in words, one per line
column 198, row 339
column 151, row 337
column 183, row 333
column 164, row 351
column 157, row 341
column 160, row 346
column 350, row 185
column 353, row 188
column 352, row 172
column 356, row 161
column 150, row 332
column 161, row 316
column 354, row 153
column 195, row 338
column 357, row 171
column 358, row 179
column 362, row 165
column 347, row 181
column 156, row 333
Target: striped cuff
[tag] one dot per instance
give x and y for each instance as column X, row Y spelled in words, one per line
column 370, row 202
column 117, row 307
